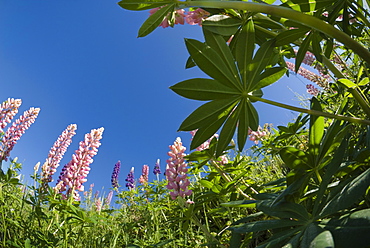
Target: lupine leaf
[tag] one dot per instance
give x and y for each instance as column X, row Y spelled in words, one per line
column 348, row 195
column 208, row 60
column 222, row 24
column 289, row 36
column 295, row 158
column 243, row 125
column 155, row 20
column 143, row 4
column 228, row 131
column 203, row 89
column 218, row 43
column 205, row 132
column 263, row 225
column 324, row 239
column 269, row 76
column 316, row 129
column 207, row 113
column 302, row 51
column 253, row 116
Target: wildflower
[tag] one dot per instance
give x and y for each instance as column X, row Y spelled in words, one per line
column 115, row 174
column 188, row 201
column 14, row 132
column 144, row 176
column 321, row 81
column 130, row 179
column 74, row 173
column 108, row 200
column 8, row 109
column 157, row 169
column 256, row 136
column 179, row 17
column 197, row 16
column 176, row 171
column 98, row 205
column 56, row 153
column 312, row 90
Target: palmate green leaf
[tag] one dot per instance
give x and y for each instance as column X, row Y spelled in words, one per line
column 289, row 36
column 203, row 89
column 348, row 195
column 355, row 225
column 242, row 46
column 155, row 20
column 324, row 239
column 263, row 225
column 284, row 210
column 243, row 125
column 143, row 4
column 242, row 204
column 208, row 60
column 279, row 239
column 208, row 113
column 302, row 51
column 205, row 132
column 253, row 116
column 228, row 131
column 222, row 24
column 307, row 5
column 218, row 43
column 316, row 129
column 316, row 46
column 262, row 58
column 269, row 76
column 295, row 158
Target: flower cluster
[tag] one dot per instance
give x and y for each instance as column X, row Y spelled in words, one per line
column 313, row 77
column 145, row 175
column 312, row 90
column 176, row 171
column 192, row 17
column 16, row 130
column 130, row 179
column 8, row 109
column 56, row 153
column 74, row 173
column 256, row 136
column 115, row 174
column 157, row 169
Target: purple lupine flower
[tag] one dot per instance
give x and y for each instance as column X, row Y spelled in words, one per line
column 176, row 171
column 16, row 130
column 74, row 173
column 130, row 179
column 56, row 153
column 8, row 109
column 145, row 175
column 157, row 169
column 115, row 174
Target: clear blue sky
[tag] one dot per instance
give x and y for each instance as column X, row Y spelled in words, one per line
column 80, row 62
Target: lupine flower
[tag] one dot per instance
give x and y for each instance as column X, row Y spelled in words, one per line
column 256, row 136
column 176, row 171
column 197, row 16
column 108, row 200
column 222, row 159
column 157, row 169
column 98, row 205
column 74, row 173
column 16, row 130
column 56, row 153
column 8, row 109
column 115, row 174
column 130, row 179
column 312, row 90
column 313, row 77
column 145, row 174
column 179, row 17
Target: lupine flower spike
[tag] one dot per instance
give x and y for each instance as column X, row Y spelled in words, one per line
column 56, row 153
column 144, row 175
column 157, row 169
column 115, row 174
column 16, row 130
column 74, row 173
column 8, row 109
column 130, row 179
column 197, row 16
column 176, row 171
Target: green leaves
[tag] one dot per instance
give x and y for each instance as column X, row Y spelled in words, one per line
column 155, row 20
column 143, row 4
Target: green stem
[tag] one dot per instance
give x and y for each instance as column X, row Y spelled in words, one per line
column 307, row 20
column 311, row 112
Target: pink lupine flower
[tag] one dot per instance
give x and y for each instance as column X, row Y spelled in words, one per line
column 197, row 16
column 256, row 136
column 16, row 130
column 312, row 90
column 74, row 173
column 307, row 74
column 8, row 109
column 145, row 174
column 179, row 17
column 176, row 171
column 56, row 153
column 108, row 200
column 98, row 204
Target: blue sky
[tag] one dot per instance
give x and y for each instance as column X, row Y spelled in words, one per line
column 80, row 62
